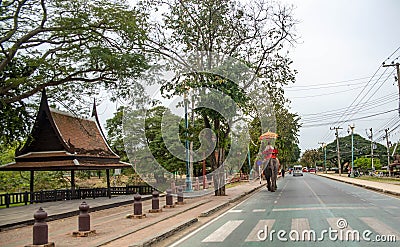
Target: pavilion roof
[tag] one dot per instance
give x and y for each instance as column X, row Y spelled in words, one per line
column 62, row 141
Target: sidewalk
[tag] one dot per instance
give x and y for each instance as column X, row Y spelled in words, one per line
column 372, row 185
column 114, row 229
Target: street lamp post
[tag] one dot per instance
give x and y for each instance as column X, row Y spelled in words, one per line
column 188, row 178
column 248, row 158
column 324, row 146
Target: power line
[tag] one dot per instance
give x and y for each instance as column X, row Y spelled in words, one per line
column 325, row 85
column 355, row 100
column 331, row 115
column 385, row 97
column 373, row 93
column 344, row 121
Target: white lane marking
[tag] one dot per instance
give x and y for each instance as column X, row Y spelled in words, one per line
column 261, row 225
column 223, row 232
column 315, row 194
column 302, row 227
column 235, row 211
column 177, row 243
column 380, row 227
column 343, row 233
column 316, row 208
column 258, row 210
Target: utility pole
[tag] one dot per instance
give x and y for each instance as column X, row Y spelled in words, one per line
column 337, row 149
column 323, row 144
column 352, row 150
column 398, row 76
column 388, row 153
column 372, row 152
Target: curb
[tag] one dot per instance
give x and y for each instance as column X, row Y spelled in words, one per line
column 214, row 210
column 233, row 200
column 192, row 221
column 168, row 233
column 144, row 227
column 364, row 186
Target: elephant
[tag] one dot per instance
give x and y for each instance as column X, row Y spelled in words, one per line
column 271, row 173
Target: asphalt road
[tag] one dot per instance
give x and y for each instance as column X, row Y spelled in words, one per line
column 305, row 211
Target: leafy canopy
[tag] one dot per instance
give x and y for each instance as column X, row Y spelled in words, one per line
column 71, row 48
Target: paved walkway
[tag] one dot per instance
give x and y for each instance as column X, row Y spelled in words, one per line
column 111, row 225
column 392, row 189
column 23, row 215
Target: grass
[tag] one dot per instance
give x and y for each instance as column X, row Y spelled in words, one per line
column 395, row 181
column 230, row 185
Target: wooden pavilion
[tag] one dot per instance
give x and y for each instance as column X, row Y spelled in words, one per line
column 60, row 141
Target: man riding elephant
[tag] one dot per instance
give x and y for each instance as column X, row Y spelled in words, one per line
column 271, row 171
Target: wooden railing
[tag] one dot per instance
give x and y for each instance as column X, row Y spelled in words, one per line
column 61, row 195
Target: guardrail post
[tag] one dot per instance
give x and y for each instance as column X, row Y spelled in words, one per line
column 26, row 197
column 155, row 203
column 40, row 229
column 41, row 196
column 7, row 200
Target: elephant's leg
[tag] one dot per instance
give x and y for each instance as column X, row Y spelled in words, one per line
column 273, row 182
column 268, row 177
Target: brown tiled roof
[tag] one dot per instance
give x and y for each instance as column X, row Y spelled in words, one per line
column 83, row 135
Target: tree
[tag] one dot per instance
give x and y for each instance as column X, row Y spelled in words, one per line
column 365, row 164
column 153, row 134
column 255, row 34
column 115, row 134
column 71, row 48
column 288, row 127
column 309, row 158
column 362, row 148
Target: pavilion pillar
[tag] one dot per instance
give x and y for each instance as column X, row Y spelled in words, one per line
column 72, row 183
column 108, row 183
column 31, row 188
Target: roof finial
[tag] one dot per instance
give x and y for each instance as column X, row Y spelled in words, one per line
column 94, row 110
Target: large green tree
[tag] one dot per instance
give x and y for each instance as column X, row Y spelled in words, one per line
column 71, row 48
column 254, row 33
column 309, row 158
column 154, row 138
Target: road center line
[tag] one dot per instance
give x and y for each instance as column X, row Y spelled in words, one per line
column 315, row 194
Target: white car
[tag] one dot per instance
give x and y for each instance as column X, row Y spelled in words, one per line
column 297, row 171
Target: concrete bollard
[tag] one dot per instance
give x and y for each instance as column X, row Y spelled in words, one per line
column 205, row 186
column 83, row 222
column 137, row 207
column 40, row 229
column 180, row 196
column 155, row 203
column 169, row 200
column 197, row 184
column 173, row 187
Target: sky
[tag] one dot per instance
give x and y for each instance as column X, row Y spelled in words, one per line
column 341, row 46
